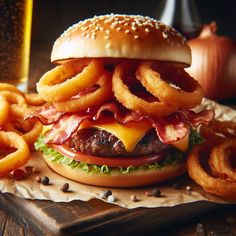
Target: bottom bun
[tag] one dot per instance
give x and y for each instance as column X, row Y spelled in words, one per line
column 115, row 178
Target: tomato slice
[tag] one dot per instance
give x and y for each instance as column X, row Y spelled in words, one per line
column 109, row 161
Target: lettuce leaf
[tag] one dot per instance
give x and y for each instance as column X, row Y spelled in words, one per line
column 172, row 159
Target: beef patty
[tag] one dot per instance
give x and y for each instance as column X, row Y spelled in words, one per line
column 101, row 143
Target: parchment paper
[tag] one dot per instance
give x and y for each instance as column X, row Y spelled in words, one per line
column 30, row 189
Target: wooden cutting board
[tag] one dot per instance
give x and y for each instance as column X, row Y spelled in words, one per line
column 95, row 216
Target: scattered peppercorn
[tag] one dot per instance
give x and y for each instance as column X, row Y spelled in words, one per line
column 156, row 192
column 45, row 180
column 19, row 174
column 133, row 198
column 38, row 179
column 65, row 187
column 105, row 194
column 111, row 198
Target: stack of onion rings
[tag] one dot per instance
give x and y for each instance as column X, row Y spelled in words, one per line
column 220, row 160
column 221, row 142
column 217, row 186
column 15, row 131
column 132, row 102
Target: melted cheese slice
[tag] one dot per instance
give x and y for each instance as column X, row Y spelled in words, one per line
column 129, row 134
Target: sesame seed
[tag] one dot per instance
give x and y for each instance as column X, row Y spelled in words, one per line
column 118, row 29
column 165, row 35
column 83, row 34
column 136, row 36
column 93, row 36
column 114, row 23
column 127, row 31
column 126, row 24
column 133, row 28
column 107, row 37
column 147, row 30
column 108, row 31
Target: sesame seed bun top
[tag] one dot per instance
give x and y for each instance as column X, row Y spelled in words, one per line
column 122, row 36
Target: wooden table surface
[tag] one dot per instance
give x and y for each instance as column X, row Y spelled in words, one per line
column 217, row 222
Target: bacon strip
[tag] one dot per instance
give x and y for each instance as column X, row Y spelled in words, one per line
column 46, row 115
column 168, row 129
column 64, row 128
column 196, row 119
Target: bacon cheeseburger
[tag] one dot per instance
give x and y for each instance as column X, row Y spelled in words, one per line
column 119, row 103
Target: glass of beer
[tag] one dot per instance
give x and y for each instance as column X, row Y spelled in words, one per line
column 15, row 35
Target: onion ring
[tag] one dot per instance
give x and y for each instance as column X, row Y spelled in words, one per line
column 16, row 159
column 227, row 128
column 29, row 130
column 219, row 160
column 153, row 82
column 218, row 131
column 14, row 98
column 208, row 134
column 4, row 108
column 34, row 99
column 59, row 84
column 216, row 186
column 95, row 98
column 132, row 102
column 10, row 88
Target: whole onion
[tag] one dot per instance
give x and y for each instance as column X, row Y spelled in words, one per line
column 214, row 63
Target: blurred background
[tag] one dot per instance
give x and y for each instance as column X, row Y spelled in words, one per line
column 51, row 18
